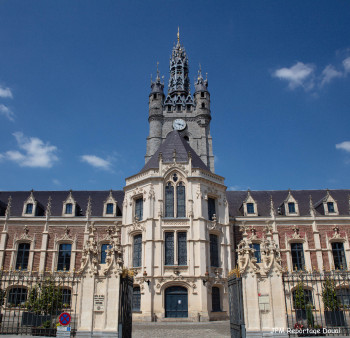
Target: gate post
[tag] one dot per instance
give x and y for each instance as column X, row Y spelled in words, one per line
column 98, row 296
column 262, row 287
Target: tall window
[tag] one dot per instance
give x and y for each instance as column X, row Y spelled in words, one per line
column 69, row 208
column 169, row 248
column 22, row 256
column 137, row 255
column 305, row 295
column 339, row 256
column 215, row 299
column 29, row 208
column 139, row 208
column 182, row 248
column 250, row 208
column 17, row 296
column 169, row 200
column 136, row 299
column 291, row 207
column 330, row 206
column 64, row 255
column 297, row 256
column 104, row 248
column 257, row 253
column 109, row 208
column 214, row 252
column 181, row 200
column 211, row 208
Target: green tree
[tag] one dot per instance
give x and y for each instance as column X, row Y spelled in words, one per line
column 329, row 296
column 45, row 298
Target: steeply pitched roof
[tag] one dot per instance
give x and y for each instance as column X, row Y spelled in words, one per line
column 57, row 198
column 262, row 198
column 174, row 143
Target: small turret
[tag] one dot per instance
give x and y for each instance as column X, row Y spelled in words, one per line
column 156, row 99
column 201, row 94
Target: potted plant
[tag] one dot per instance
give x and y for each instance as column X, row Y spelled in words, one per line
column 333, row 313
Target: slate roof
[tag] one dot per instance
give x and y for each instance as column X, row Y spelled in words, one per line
column 262, row 198
column 235, row 200
column 175, row 142
column 57, row 198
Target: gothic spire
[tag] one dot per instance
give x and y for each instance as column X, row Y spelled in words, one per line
column 179, row 83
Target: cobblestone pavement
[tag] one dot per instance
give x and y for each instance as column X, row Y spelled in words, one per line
column 181, row 329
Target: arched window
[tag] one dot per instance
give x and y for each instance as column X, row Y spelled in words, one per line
column 17, row 296
column 181, row 200
column 137, row 254
column 203, row 105
column 215, row 299
column 214, row 250
column 169, row 200
column 22, row 256
column 136, row 299
column 64, row 255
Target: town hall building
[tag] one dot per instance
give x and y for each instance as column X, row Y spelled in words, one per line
column 175, row 227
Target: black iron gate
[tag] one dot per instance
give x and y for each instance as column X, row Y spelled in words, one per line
column 125, row 306
column 30, row 302
column 317, row 302
column 236, row 307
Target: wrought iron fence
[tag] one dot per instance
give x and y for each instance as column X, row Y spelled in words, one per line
column 31, row 302
column 125, row 305
column 317, row 303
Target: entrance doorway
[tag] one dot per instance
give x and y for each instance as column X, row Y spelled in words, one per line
column 176, row 302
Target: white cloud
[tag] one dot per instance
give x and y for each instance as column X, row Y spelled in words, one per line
column 56, row 181
column 7, row 112
column 329, row 73
column 300, row 74
column 344, row 146
column 35, row 153
column 5, row 92
column 346, row 64
column 96, row 161
column 234, row 188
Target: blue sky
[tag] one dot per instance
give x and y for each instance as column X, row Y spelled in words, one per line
column 75, row 79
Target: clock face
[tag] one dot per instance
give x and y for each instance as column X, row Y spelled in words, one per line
column 179, row 124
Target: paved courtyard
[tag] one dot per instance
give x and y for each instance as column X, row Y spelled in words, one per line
column 181, row 329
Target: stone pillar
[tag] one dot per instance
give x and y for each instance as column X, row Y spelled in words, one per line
column 262, row 287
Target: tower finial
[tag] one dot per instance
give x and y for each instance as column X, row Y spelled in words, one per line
column 158, row 78
column 200, row 72
column 178, row 35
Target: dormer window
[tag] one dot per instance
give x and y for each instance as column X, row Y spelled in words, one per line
column 291, row 207
column 69, row 208
column 250, row 208
column 109, row 208
column 330, row 207
column 29, row 208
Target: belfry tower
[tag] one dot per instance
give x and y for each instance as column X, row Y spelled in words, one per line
column 179, row 110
